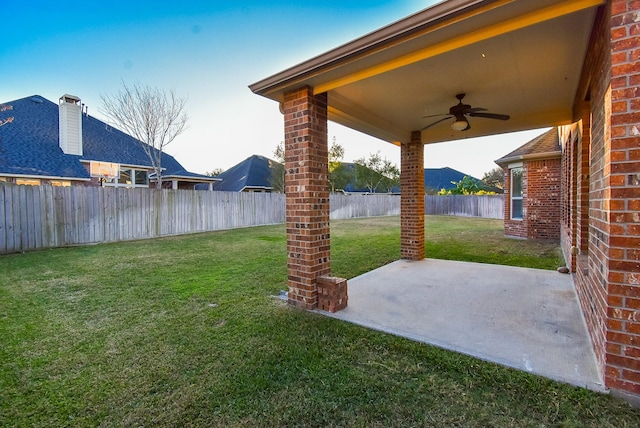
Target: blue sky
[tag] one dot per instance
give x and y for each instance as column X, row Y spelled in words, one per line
column 208, row 52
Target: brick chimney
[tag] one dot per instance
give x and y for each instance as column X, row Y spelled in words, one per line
column 70, row 125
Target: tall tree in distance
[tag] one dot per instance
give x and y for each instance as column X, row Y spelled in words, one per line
column 494, row 178
column 214, row 172
column 376, row 173
column 151, row 116
column 277, row 169
column 339, row 175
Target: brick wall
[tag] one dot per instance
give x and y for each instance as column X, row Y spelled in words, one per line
column 592, row 297
column 567, row 194
column 605, row 205
column 412, row 198
column 543, row 199
column 541, row 194
column 621, row 224
column 307, row 194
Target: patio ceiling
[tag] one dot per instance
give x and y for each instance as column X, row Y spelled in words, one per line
column 522, row 58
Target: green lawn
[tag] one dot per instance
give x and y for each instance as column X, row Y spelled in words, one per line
column 183, row 331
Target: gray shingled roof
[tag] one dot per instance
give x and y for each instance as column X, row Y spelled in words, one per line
column 443, row 178
column 29, row 145
column 544, row 145
column 254, row 172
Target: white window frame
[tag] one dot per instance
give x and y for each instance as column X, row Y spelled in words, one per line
column 513, row 168
column 115, row 182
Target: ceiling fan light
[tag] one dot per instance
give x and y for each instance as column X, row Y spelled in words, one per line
column 459, row 125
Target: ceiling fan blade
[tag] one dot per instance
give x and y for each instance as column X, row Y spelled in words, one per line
column 434, row 115
column 474, row 109
column 490, row 115
column 437, row 121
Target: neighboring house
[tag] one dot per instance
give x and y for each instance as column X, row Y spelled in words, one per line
column 532, row 188
column 254, row 174
column 61, row 145
column 251, row 175
column 436, row 179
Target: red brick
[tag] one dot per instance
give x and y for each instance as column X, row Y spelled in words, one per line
column 631, row 376
column 412, row 199
column 625, row 339
column 632, row 327
column 631, row 352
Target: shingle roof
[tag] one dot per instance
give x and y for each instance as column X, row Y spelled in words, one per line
column 29, row 145
column 442, row 178
column 253, row 172
column 544, row 145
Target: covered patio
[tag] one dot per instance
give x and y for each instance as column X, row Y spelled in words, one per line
column 527, row 319
column 521, row 65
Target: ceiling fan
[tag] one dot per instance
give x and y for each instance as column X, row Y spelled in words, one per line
column 460, row 112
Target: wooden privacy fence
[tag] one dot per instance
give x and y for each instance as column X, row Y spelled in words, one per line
column 486, row 206
column 34, row 217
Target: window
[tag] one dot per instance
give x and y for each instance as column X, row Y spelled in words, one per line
column 60, row 183
column 125, row 177
column 27, row 182
column 129, row 177
column 142, row 177
column 516, row 193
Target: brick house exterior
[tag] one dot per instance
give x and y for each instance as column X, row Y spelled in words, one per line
column 600, row 226
column 595, row 105
column 537, row 166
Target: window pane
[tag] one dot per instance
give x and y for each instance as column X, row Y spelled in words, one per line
column 125, row 176
column 142, row 177
column 516, row 182
column 516, row 209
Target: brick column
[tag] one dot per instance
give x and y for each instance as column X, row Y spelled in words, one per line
column 412, row 198
column 621, row 220
column 307, row 194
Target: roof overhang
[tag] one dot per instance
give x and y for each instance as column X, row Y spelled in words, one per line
column 190, row 179
column 530, row 157
column 41, row 177
column 521, row 58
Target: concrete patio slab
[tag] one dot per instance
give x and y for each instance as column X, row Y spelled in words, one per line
column 528, row 319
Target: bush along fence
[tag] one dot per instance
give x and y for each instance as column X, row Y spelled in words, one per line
column 35, row 217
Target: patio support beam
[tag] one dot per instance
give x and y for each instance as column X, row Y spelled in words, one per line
column 412, row 198
column 307, row 194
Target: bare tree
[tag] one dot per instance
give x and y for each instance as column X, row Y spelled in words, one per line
column 5, row 107
column 277, row 169
column 214, row 172
column 153, row 117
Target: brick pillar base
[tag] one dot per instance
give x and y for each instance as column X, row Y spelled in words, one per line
column 307, row 194
column 412, row 198
column 332, row 293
